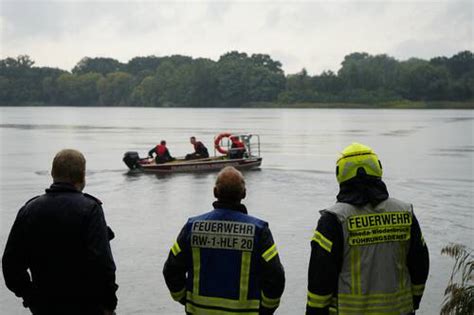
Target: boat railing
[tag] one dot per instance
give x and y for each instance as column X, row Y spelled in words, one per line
column 251, row 143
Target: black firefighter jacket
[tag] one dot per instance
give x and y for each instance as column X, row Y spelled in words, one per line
column 62, row 239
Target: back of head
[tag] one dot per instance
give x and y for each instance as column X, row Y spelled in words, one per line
column 69, row 166
column 230, row 185
column 356, row 160
column 163, row 142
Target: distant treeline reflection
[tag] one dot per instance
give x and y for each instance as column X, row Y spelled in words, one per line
column 236, row 79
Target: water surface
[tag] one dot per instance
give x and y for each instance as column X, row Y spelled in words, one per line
column 427, row 157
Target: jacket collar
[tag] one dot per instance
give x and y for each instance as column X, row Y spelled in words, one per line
column 62, row 187
column 230, row 206
column 362, row 190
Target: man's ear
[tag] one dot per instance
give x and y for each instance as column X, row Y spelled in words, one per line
column 244, row 193
column 216, row 193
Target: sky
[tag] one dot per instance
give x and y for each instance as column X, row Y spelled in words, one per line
column 315, row 35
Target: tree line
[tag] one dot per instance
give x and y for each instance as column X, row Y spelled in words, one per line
column 236, row 79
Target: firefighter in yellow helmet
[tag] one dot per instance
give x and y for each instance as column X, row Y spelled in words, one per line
column 368, row 255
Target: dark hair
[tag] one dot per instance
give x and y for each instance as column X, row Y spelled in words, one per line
column 69, row 166
column 163, row 142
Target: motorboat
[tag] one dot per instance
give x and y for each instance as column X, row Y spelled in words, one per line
column 223, row 156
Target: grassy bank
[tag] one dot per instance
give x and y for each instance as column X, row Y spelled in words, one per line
column 404, row 104
column 392, row 104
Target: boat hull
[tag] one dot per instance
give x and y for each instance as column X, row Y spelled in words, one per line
column 201, row 165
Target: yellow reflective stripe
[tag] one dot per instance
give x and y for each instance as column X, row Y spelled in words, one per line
column 176, row 249
column 244, row 275
column 270, row 253
column 417, row 289
column 358, row 269
column 402, row 265
column 316, row 300
column 374, row 296
column 270, row 303
column 376, row 302
column 196, row 268
column 206, row 301
column 397, row 308
column 177, row 296
column 322, row 241
column 355, row 271
column 397, row 303
column 193, row 309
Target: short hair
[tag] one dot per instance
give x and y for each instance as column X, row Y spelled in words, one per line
column 193, row 137
column 163, row 142
column 69, row 166
column 230, row 184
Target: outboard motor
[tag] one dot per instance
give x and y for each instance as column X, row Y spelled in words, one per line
column 131, row 158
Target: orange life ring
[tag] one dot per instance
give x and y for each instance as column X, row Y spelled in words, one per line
column 217, row 142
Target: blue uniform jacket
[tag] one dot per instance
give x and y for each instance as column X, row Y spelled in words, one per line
column 225, row 261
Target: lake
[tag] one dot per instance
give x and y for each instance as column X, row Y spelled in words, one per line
column 427, row 157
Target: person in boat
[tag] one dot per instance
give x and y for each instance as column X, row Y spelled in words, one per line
column 367, row 252
column 225, row 261
column 200, row 150
column 237, row 148
column 162, row 153
column 58, row 257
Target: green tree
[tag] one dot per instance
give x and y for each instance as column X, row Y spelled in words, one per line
column 138, row 65
column 4, row 90
column 327, row 83
column 74, row 90
column 147, row 93
column 98, row 65
column 460, row 64
column 116, row 88
column 363, row 71
column 298, row 88
column 232, row 71
column 422, row 81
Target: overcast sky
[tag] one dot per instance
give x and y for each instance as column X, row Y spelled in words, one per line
column 311, row 34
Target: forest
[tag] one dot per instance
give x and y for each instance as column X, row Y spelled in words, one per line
column 236, row 79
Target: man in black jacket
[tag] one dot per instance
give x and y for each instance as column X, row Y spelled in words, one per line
column 200, row 150
column 61, row 239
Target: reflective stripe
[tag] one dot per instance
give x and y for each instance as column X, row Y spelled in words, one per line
column 206, row 301
column 177, row 296
column 270, row 253
column 196, row 268
column 355, row 271
column 322, row 241
column 268, row 302
column 374, row 296
column 198, row 304
column 400, row 308
column 316, row 300
column 402, row 264
column 399, row 302
column 176, row 249
column 417, row 289
column 196, row 310
column 244, row 275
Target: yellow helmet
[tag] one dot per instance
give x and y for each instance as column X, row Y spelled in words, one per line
column 354, row 157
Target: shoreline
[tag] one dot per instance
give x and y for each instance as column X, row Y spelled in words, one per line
column 323, row 105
